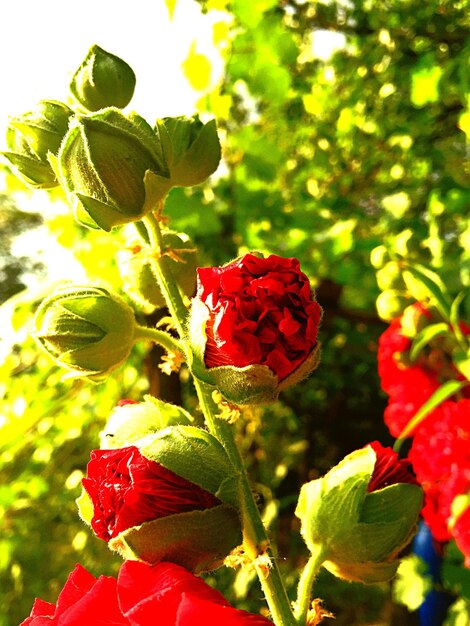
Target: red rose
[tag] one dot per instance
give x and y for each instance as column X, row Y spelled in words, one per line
column 388, row 468
column 165, row 594
column 127, row 489
column 261, row 312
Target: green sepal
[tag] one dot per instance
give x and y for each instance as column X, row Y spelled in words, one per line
column 195, row 455
column 359, row 533
column 252, row 384
column 196, row 540
column 132, row 422
column 34, row 172
column 367, row 573
column 194, row 149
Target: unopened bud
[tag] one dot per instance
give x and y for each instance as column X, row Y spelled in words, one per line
column 31, row 137
column 87, row 330
column 102, row 165
column 102, row 80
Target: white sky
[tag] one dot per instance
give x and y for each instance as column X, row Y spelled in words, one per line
column 42, row 42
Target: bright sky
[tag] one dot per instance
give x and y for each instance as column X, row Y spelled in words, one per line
column 42, row 42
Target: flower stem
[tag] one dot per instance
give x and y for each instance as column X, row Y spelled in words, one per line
column 164, row 275
column 256, row 542
column 255, row 538
column 159, row 336
column 304, row 590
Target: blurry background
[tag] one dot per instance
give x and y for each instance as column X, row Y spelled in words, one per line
column 344, row 127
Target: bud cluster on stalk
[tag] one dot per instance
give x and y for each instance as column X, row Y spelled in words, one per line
column 114, row 167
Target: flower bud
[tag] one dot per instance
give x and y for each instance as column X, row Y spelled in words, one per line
column 139, row 281
column 31, row 136
column 131, row 421
column 104, row 165
column 253, row 327
column 102, row 80
column 172, row 496
column 361, row 514
column 87, row 330
column 191, row 149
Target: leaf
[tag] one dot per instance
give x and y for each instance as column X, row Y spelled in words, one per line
column 425, row 336
column 425, row 82
column 171, row 5
column 197, row 69
column 412, row 583
column 444, row 392
column 432, row 284
column 455, row 318
column 461, row 360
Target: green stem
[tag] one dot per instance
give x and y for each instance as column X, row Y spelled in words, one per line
column 164, row 275
column 304, row 590
column 255, row 538
column 256, row 542
column 160, row 337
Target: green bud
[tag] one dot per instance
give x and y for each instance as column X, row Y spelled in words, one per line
column 104, row 165
column 31, row 137
column 87, row 330
column 132, row 421
column 139, row 281
column 358, row 533
column 102, row 80
column 191, row 149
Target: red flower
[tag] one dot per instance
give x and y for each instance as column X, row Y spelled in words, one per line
column 440, row 455
column 165, row 594
column 388, row 468
column 410, row 385
column 127, row 489
column 261, row 312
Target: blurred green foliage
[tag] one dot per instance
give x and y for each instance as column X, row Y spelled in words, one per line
column 350, row 162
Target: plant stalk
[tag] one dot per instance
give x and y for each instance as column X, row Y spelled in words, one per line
column 255, row 539
column 304, row 590
column 256, row 542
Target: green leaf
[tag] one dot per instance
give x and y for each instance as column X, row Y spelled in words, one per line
column 423, row 283
column 455, row 318
column 461, row 360
column 413, row 582
column 425, row 336
column 444, row 392
column 458, row 614
column 171, row 5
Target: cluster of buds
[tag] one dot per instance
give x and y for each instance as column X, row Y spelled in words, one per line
column 114, row 167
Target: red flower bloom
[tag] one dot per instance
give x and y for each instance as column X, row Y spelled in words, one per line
column 440, row 455
column 261, row 312
column 410, row 385
column 388, row 468
column 142, row 595
column 127, row 489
